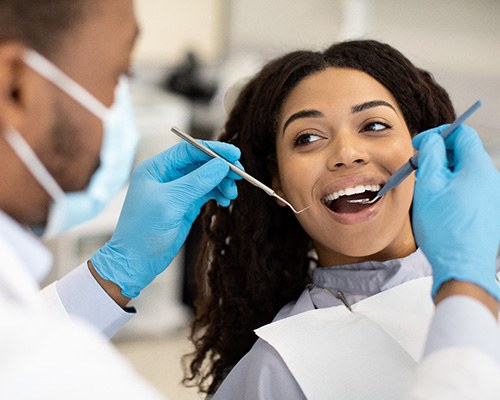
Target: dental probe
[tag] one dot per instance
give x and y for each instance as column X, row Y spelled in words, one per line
column 412, row 164
column 249, row 178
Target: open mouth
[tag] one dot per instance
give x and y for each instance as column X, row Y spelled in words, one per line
column 338, row 202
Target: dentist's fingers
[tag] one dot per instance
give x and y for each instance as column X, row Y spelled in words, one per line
column 433, row 168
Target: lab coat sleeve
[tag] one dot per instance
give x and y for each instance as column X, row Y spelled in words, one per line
column 261, row 374
column 460, row 321
column 79, row 296
column 462, row 356
column 456, row 373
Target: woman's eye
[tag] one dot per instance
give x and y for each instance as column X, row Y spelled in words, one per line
column 305, row 138
column 376, row 126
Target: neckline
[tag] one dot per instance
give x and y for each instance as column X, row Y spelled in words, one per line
column 361, row 280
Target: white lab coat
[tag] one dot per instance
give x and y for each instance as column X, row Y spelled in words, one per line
column 44, row 354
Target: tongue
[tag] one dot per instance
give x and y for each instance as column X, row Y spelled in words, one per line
column 342, row 206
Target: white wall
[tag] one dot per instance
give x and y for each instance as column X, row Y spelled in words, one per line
column 458, row 34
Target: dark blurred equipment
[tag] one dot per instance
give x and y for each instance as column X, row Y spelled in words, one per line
column 187, row 80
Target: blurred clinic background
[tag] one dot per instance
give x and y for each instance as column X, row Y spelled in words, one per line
column 191, row 51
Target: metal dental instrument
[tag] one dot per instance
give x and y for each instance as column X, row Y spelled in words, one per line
column 412, row 164
column 249, row 178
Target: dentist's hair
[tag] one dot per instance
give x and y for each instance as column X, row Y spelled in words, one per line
column 41, row 25
column 255, row 255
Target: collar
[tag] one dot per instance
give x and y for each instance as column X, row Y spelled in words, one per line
column 361, row 280
column 31, row 252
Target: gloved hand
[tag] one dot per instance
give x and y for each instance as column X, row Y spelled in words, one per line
column 165, row 196
column 456, row 213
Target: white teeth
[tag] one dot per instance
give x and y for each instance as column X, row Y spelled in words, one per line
column 350, row 191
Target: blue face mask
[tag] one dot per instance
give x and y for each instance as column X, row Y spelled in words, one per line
column 116, row 157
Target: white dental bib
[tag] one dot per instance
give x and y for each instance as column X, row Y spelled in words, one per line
column 370, row 353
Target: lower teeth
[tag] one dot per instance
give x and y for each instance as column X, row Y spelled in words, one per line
column 342, row 205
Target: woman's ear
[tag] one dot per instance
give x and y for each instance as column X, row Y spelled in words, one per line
column 276, row 186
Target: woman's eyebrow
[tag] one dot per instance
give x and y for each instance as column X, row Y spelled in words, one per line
column 370, row 104
column 303, row 114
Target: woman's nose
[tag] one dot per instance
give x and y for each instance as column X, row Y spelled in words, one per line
column 347, row 150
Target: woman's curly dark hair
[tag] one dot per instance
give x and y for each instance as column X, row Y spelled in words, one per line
column 255, row 256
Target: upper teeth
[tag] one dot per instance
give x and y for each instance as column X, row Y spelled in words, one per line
column 350, row 191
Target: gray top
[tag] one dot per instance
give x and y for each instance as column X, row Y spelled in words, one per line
column 262, row 373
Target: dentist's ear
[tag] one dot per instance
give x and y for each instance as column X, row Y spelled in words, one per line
column 18, row 91
column 10, row 59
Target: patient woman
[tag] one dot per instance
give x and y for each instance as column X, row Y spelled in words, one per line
column 316, row 127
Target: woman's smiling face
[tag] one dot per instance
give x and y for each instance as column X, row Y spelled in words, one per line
column 340, row 129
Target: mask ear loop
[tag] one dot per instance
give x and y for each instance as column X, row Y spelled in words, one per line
column 57, row 77
column 33, row 163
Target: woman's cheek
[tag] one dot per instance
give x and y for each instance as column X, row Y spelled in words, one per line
column 295, row 178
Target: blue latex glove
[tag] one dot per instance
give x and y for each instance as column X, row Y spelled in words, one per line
column 456, row 214
column 165, row 196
